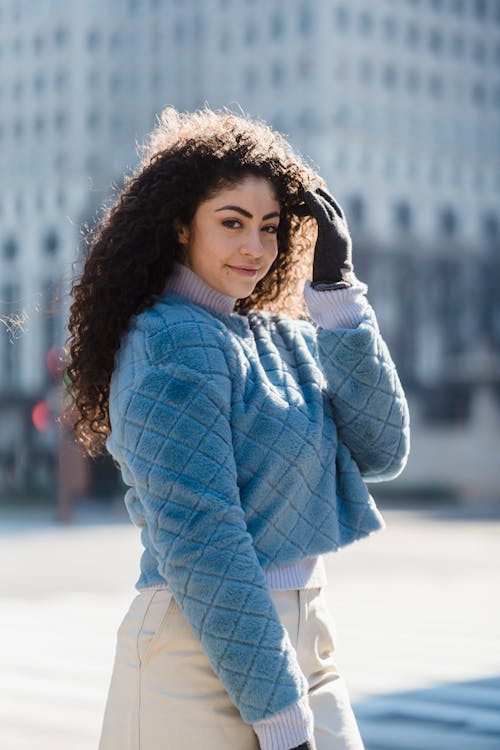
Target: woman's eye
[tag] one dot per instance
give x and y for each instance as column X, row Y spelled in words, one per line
column 231, row 223
column 271, row 229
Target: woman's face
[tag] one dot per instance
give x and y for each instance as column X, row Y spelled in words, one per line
column 232, row 240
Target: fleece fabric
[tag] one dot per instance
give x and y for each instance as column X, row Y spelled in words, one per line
column 245, row 441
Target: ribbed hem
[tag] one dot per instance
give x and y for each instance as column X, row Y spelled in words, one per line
column 338, row 308
column 306, row 574
column 288, row 728
column 189, row 284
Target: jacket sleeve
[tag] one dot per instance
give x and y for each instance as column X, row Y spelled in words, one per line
column 177, row 443
column 368, row 401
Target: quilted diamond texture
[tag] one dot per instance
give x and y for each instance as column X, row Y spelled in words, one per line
column 223, row 427
column 368, row 400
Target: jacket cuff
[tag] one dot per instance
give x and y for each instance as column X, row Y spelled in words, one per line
column 288, row 728
column 337, row 308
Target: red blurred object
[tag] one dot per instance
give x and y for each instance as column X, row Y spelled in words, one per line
column 54, row 359
column 41, row 417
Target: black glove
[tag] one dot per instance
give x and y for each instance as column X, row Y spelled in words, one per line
column 332, row 265
column 304, row 746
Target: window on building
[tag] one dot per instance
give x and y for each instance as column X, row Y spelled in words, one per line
column 224, row 41
column 39, row 125
column 61, row 80
column 306, row 19
column 413, row 35
column 50, row 242
column 341, row 161
column 436, row 86
column 412, row 80
column 10, row 248
column 93, row 78
column 9, row 305
column 356, row 210
column 479, row 52
column 38, row 44
column 49, row 315
column 403, row 216
column 307, row 118
column 341, row 116
column 39, row 84
column 60, row 37
column 250, row 34
column 156, row 79
column 115, row 42
column 481, row 9
column 61, row 122
column 478, row 93
column 390, row 28
column 18, row 129
column 389, row 75
column 133, row 7
column 496, row 97
column 93, row 120
column 18, row 89
column 279, row 121
column 435, row 174
column 448, row 222
column 179, row 31
column 435, row 41
column 304, row 66
column 40, row 201
column 60, row 161
column 342, row 18
column 458, row 45
column 365, row 71
column 491, row 227
column 366, row 23
column 93, row 39
column 277, row 24
column 250, row 79
column 277, row 73
column 115, row 83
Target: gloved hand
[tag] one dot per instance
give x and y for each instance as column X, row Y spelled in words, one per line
column 332, row 265
column 304, row 746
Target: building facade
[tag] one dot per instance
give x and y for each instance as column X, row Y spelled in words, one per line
column 396, row 103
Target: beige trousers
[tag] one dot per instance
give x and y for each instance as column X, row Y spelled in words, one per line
column 164, row 694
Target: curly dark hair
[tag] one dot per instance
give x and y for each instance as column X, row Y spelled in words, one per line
column 131, row 251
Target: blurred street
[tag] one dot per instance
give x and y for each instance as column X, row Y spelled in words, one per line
column 416, row 608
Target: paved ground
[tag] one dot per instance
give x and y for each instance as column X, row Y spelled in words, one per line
column 416, row 608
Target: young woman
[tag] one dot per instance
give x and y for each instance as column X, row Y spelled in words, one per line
column 244, row 403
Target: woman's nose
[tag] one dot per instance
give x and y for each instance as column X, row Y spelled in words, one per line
column 253, row 245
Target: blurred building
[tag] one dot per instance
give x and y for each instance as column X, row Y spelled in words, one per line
column 396, row 103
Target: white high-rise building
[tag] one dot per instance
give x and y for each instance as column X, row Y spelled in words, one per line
column 397, row 103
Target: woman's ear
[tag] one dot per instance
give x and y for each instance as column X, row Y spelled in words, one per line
column 182, row 232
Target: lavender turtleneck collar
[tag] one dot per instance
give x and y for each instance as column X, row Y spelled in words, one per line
column 189, row 284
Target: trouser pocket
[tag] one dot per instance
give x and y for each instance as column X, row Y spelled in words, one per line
column 154, row 624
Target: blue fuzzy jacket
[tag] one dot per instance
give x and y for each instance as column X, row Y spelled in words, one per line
column 245, row 441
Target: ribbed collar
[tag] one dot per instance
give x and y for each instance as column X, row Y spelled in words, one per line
column 189, row 284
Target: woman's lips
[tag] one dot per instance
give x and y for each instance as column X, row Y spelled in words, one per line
column 245, row 271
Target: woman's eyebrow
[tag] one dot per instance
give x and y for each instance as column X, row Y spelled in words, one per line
column 246, row 213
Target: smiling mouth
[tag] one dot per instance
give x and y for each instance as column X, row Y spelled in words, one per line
column 244, row 270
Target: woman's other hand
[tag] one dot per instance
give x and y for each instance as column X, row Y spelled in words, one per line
column 332, row 266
